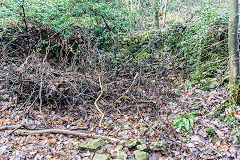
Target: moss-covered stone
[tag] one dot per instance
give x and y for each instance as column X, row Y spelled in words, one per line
column 141, row 155
column 131, row 143
column 92, row 144
column 159, row 146
column 142, row 147
column 140, row 141
column 119, row 147
column 101, row 156
column 121, row 155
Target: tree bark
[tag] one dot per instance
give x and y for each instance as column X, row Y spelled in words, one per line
column 233, row 49
column 156, row 18
column 165, row 12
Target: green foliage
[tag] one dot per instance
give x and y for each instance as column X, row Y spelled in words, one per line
column 8, row 14
column 202, row 42
column 210, row 132
column 108, row 24
column 200, row 38
column 221, row 109
column 185, row 122
column 62, row 15
column 212, row 135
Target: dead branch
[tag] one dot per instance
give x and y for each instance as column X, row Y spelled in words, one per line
column 95, row 103
column 20, row 126
column 29, row 131
column 123, row 95
column 41, row 85
column 10, row 127
column 67, row 132
column 40, row 98
column 15, row 127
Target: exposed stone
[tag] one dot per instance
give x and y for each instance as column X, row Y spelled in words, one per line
column 92, row 144
column 140, row 141
column 124, row 134
column 121, row 155
column 131, row 143
column 141, row 155
column 119, row 147
column 159, row 146
column 142, row 147
column 214, row 83
column 101, row 156
column 118, row 153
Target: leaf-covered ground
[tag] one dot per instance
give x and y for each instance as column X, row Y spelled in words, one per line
column 215, row 134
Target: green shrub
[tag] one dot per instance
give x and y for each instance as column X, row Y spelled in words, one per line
column 62, row 15
column 201, row 36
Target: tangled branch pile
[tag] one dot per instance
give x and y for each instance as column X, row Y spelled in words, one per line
column 38, row 82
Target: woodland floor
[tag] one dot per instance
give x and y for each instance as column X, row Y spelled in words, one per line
column 138, row 122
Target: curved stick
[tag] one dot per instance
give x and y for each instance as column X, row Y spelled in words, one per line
column 95, row 103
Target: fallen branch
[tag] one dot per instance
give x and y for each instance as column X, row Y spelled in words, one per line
column 20, row 126
column 15, row 127
column 11, row 127
column 68, row 132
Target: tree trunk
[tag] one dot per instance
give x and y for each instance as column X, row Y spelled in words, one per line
column 156, row 18
column 165, row 12
column 233, row 48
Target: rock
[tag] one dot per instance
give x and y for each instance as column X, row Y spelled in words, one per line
column 140, row 155
column 214, row 83
column 131, row 143
column 142, row 147
column 140, row 141
column 124, row 135
column 121, row 155
column 119, row 147
column 118, row 153
column 101, row 156
column 122, row 142
column 159, row 146
column 92, row 144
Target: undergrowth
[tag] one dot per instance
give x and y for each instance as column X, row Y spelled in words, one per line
column 78, row 36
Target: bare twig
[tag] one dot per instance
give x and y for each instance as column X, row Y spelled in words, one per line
column 123, row 95
column 40, row 98
column 41, row 85
column 5, row 46
column 95, row 103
